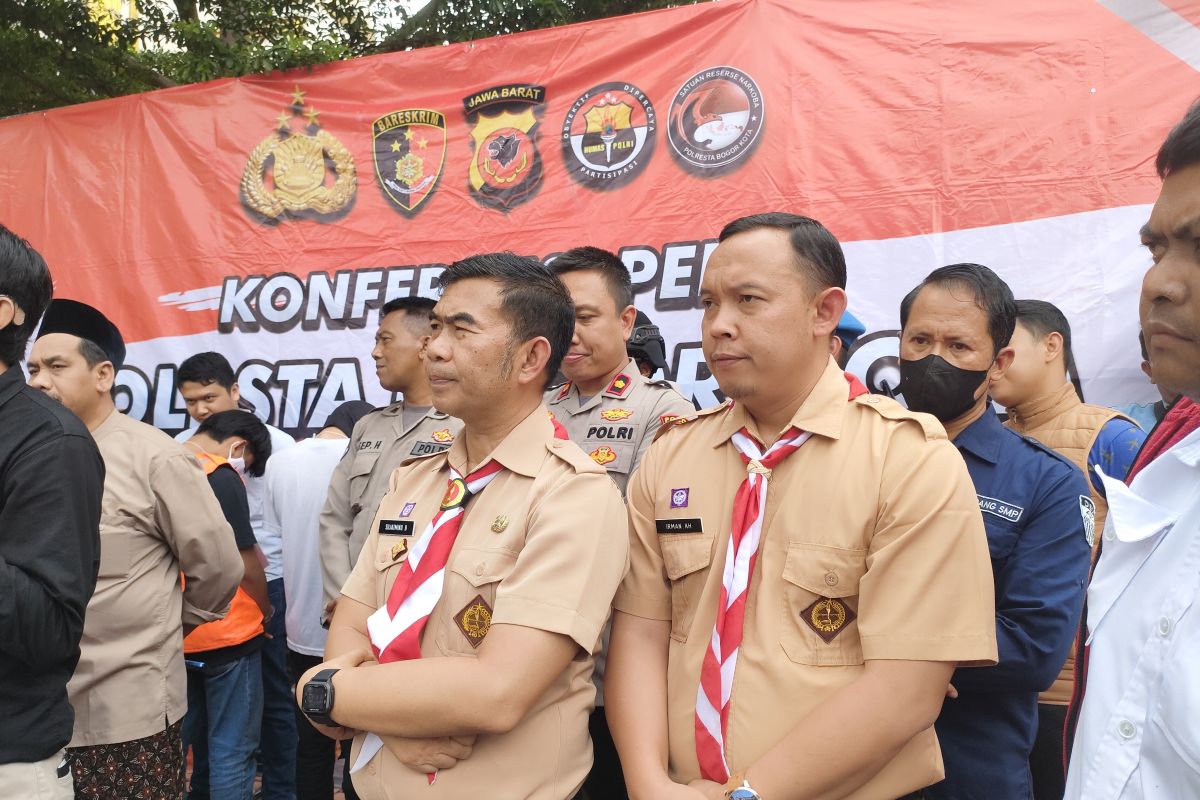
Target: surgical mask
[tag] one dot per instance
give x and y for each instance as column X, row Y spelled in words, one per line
column 934, row 385
column 238, row 462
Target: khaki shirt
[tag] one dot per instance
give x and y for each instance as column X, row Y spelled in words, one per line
column 875, row 514
column 616, row 426
column 158, row 518
column 544, row 546
column 378, row 443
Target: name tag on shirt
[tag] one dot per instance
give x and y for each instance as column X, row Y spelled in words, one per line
column 1008, row 511
column 395, row 527
column 667, row 526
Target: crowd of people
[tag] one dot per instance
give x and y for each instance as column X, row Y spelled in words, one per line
column 542, row 574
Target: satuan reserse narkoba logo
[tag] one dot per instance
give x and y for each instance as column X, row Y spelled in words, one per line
column 716, row 118
column 410, row 148
column 506, row 168
column 608, row 135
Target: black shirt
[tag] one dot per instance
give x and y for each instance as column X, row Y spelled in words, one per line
column 51, row 487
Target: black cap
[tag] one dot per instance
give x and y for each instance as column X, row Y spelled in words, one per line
column 79, row 319
column 647, row 342
column 347, row 414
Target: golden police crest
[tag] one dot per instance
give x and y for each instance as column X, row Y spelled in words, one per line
column 299, row 172
column 603, row 455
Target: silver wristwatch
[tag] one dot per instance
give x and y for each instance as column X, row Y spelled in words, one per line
column 743, row 792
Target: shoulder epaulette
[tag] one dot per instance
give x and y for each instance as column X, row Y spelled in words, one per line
column 888, row 408
column 670, row 421
column 570, row 453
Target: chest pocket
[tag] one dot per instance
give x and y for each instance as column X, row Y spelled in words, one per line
column 820, row 604
column 464, row 613
column 360, row 474
column 686, row 557
column 116, row 550
column 1002, row 536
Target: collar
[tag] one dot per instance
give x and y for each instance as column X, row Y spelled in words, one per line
column 983, row 437
column 522, row 451
column 821, row 413
column 1040, row 410
column 112, row 422
column 619, row 387
column 11, row 381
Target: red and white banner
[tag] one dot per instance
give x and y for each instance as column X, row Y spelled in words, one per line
column 268, row 217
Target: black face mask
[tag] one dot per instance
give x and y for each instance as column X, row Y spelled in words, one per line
column 935, row 386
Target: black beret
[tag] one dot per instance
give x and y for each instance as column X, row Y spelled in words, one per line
column 79, row 319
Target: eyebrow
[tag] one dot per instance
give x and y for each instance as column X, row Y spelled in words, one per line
column 1183, row 230
column 749, row 285
column 586, row 307
column 461, row 317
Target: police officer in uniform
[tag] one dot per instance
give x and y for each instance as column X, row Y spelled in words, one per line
column 954, row 341
column 808, row 564
column 382, row 439
column 607, row 406
column 159, row 519
column 488, row 573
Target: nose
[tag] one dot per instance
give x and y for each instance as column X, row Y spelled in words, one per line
column 377, row 352
column 1163, row 282
column 40, row 381
column 437, row 349
column 718, row 323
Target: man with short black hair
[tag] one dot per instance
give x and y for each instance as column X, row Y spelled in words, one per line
column 1137, row 736
column 954, row 343
column 51, row 483
column 489, row 571
column 409, row 427
column 159, row 519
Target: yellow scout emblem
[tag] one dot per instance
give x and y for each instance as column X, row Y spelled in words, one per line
column 399, row 549
column 603, row 455
column 828, row 617
column 444, row 435
column 456, row 492
column 475, row 620
column 616, row 414
column 287, row 172
column 499, row 524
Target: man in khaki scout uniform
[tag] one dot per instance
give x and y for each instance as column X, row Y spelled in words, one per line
column 492, row 626
column 611, row 411
column 793, row 611
column 159, row 518
column 382, row 439
column 607, row 407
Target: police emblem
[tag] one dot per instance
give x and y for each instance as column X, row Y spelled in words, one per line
column 410, row 148
column 475, row 620
column 608, row 135
column 616, row 414
column 603, row 455
column 1087, row 510
column 288, row 172
column 442, row 436
column 828, row 617
column 716, row 118
column 506, row 168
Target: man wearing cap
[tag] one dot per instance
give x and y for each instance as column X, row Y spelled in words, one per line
column 382, row 439
column 296, row 489
column 488, row 574
column 844, row 336
column 159, row 519
column 51, row 482
column 808, row 563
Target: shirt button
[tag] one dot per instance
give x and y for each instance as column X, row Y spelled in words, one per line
column 1127, row 729
column 1109, row 535
column 831, row 579
column 479, row 569
column 1164, row 626
column 371, row 768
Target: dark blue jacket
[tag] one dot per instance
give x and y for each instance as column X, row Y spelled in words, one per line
column 1030, row 500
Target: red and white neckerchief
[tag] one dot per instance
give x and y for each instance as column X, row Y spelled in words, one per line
column 395, row 629
column 720, row 659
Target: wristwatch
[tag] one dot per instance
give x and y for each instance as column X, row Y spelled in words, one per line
column 743, row 792
column 317, row 699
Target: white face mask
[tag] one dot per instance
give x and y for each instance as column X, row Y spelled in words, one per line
column 237, row 462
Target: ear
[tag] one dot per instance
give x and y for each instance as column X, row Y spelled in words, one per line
column 234, row 393
column 236, row 444
column 828, row 307
column 10, row 312
column 1004, row 360
column 105, row 376
column 628, row 317
column 423, row 345
column 1052, row 346
column 1149, row 373
column 530, row 362
column 835, row 346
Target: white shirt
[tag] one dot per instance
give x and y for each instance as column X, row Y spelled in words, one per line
column 296, row 494
column 266, row 535
column 1139, row 729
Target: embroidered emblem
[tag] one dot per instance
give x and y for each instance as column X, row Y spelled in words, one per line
column 399, row 549
column 408, row 509
column 499, row 524
column 1000, row 508
column 456, row 492
column 1087, row 509
column 667, row 419
column 444, row 435
column 828, row 617
column 616, row 414
column 603, row 455
column 564, row 391
column 619, row 386
column 679, row 498
column 475, row 620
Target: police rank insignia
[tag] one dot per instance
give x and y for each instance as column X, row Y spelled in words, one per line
column 619, row 385
column 299, row 172
column 603, row 455
column 506, row 168
column 828, row 617
column 475, row 620
column 608, row 135
column 615, row 414
column 410, row 149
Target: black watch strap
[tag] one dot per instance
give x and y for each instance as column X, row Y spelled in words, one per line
column 317, row 699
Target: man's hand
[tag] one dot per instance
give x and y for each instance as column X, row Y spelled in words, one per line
column 430, row 755
column 708, row 790
column 357, row 658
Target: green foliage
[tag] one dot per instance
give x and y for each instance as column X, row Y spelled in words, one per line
column 59, row 52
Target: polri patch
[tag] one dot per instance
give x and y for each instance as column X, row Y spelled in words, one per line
column 475, row 620
column 395, row 527
column 428, row 448
column 668, row 526
column 1002, row 509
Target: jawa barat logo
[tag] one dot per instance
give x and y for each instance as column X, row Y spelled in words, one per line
column 506, row 168
column 410, row 149
column 305, row 172
column 608, row 135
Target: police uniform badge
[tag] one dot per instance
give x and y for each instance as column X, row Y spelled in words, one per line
column 615, row 414
column 410, row 149
column 288, row 173
column 603, row 455
column 506, row 168
column 1087, row 510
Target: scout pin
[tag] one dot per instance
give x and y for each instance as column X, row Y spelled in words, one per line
column 499, row 524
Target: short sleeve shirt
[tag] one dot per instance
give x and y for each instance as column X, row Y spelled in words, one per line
column 545, row 546
column 875, row 511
